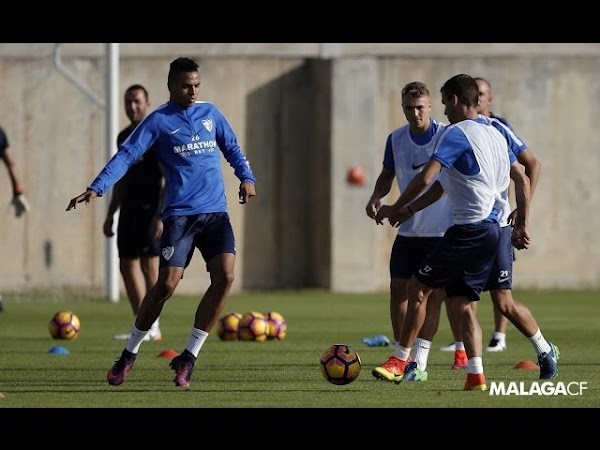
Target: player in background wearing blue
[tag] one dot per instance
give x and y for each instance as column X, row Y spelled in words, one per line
column 190, row 136
column 139, row 195
column 407, row 150
column 19, row 201
column 476, row 167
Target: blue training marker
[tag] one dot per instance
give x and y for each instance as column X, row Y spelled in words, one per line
column 59, row 351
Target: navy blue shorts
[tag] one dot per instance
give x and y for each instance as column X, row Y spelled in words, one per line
column 501, row 274
column 463, row 260
column 134, row 234
column 408, row 253
column 211, row 233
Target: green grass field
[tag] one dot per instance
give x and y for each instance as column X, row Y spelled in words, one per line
column 278, row 374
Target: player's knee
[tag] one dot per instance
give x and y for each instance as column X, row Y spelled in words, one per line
column 417, row 291
column 503, row 301
column 164, row 289
column 398, row 288
column 222, row 278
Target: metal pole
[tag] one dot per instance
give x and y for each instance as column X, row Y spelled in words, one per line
column 112, row 119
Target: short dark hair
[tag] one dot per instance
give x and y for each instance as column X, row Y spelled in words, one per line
column 137, row 87
column 415, row 89
column 464, row 87
column 181, row 65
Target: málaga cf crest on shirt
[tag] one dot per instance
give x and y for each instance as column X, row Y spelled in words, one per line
column 208, row 124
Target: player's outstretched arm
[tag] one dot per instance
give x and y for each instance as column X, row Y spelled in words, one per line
column 86, row 197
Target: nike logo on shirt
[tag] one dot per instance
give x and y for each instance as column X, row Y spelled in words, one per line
column 415, row 167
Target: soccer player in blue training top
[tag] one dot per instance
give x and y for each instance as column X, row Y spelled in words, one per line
column 190, row 136
column 139, row 196
column 477, row 165
column 19, row 201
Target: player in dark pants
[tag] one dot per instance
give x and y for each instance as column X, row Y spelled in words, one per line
column 138, row 195
column 191, row 135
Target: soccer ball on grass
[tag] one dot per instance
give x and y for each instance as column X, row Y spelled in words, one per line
column 340, row 364
column 277, row 326
column 64, row 325
column 227, row 327
column 254, row 326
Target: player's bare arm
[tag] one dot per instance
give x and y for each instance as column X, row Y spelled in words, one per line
column 416, row 186
column 520, row 236
column 381, row 189
column 86, row 197
column 532, row 166
column 432, row 195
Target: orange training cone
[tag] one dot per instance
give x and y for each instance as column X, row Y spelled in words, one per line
column 527, row 365
column 169, row 353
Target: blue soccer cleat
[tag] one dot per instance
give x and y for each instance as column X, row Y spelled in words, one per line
column 548, row 363
column 413, row 373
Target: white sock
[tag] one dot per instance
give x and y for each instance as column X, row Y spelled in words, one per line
column 135, row 340
column 539, row 343
column 402, row 352
column 460, row 345
column 421, row 350
column 196, row 341
column 475, row 365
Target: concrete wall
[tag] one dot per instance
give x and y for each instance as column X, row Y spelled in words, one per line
column 303, row 113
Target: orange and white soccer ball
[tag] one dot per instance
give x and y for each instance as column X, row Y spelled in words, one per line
column 64, row 325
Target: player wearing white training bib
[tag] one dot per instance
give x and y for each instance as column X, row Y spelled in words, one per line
column 407, row 150
column 406, row 158
column 477, row 170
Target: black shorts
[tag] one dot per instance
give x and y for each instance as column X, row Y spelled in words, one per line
column 408, row 253
column 134, row 235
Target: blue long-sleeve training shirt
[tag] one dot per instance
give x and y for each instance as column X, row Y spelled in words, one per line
column 189, row 142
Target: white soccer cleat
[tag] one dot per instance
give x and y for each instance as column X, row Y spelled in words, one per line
column 151, row 336
column 496, row 345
